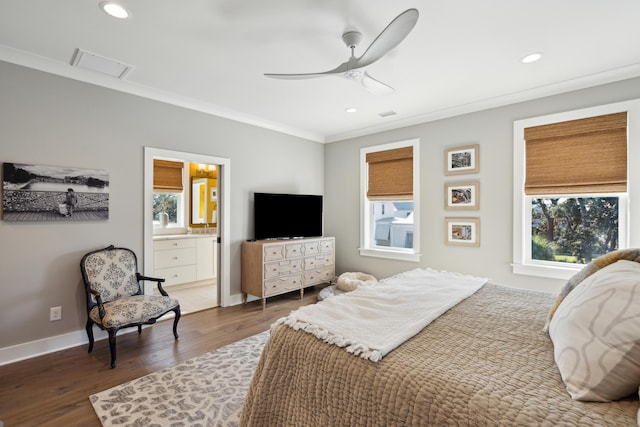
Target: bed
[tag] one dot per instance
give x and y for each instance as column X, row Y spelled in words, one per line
column 485, row 361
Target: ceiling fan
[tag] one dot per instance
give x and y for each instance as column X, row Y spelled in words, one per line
column 352, row 69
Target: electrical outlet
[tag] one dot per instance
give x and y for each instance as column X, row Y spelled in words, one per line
column 55, row 313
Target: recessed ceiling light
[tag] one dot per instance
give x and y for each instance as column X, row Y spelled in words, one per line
column 351, row 109
column 533, row 57
column 114, row 9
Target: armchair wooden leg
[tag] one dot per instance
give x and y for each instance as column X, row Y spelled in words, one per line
column 90, row 334
column 139, row 329
column 175, row 321
column 112, row 347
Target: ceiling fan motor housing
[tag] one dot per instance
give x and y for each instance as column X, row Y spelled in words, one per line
column 352, row 38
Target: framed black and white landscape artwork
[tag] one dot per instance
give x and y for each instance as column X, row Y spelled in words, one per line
column 53, row 193
column 460, row 160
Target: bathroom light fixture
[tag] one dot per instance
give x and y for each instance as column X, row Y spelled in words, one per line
column 351, row 109
column 114, row 9
column 533, row 57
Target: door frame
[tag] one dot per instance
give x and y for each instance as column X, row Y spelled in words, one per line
column 224, row 186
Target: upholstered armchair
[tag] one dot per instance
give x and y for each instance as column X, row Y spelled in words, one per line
column 115, row 299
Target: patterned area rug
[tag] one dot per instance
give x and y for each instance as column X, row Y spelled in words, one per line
column 208, row 390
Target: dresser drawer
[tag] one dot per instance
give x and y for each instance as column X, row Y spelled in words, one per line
column 163, row 245
column 318, row 261
column 319, row 276
column 176, row 275
column 174, row 257
column 282, row 285
column 282, row 268
column 273, row 252
column 326, row 246
column 293, row 250
column 311, row 248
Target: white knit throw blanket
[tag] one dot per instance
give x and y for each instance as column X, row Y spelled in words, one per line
column 373, row 320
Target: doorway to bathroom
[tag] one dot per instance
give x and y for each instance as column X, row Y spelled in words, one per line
column 185, row 226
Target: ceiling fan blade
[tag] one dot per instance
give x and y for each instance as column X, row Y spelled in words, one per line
column 296, row 76
column 338, row 70
column 389, row 38
column 375, row 86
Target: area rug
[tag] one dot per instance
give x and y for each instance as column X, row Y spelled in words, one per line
column 205, row 391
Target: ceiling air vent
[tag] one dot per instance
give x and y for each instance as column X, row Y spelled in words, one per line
column 387, row 113
column 101, row 64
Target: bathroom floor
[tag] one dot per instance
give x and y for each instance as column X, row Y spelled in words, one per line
column 196, row 298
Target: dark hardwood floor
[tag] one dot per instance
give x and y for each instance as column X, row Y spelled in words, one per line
column 54, row 389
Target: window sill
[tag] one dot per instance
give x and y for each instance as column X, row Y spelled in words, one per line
column 390, row 254
column 552, row 272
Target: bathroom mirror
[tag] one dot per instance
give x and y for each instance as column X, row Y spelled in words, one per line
column 204, row 201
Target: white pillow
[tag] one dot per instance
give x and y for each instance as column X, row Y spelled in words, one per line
column 596, row 334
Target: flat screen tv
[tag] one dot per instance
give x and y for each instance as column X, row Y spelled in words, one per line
column 287, row 216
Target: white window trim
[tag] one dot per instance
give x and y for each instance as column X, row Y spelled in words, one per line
column 522, row 263
column 366, row 249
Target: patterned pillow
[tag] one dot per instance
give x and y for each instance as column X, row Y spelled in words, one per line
column 596, row 334
column 588, row 270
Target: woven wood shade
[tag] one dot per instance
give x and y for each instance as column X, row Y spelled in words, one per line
column 391, row 174
column 167, row 176
column 578, row 156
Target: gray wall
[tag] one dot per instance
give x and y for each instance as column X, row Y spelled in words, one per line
column 493, row 130
column 49, row 120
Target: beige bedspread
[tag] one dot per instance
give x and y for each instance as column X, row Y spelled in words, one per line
column 485, row 362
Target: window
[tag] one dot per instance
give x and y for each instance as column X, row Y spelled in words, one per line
column 574, row 229
column 168, row 192
column 172, row 204
column 390, row 179
column 570, row 189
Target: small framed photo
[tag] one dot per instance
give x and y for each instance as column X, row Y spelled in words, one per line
column 462, row 231
column 459, row 160
column 462, row 195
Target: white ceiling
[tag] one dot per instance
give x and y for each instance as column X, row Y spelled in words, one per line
column 210, row 55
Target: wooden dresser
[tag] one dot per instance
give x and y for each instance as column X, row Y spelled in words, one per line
column 274, row 267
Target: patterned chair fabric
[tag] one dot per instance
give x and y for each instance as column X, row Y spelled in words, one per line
column 135, row 309
column 112, row 273
column 115, row 299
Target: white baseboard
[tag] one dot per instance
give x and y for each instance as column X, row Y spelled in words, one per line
column 36, row 348
column 18, row 352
